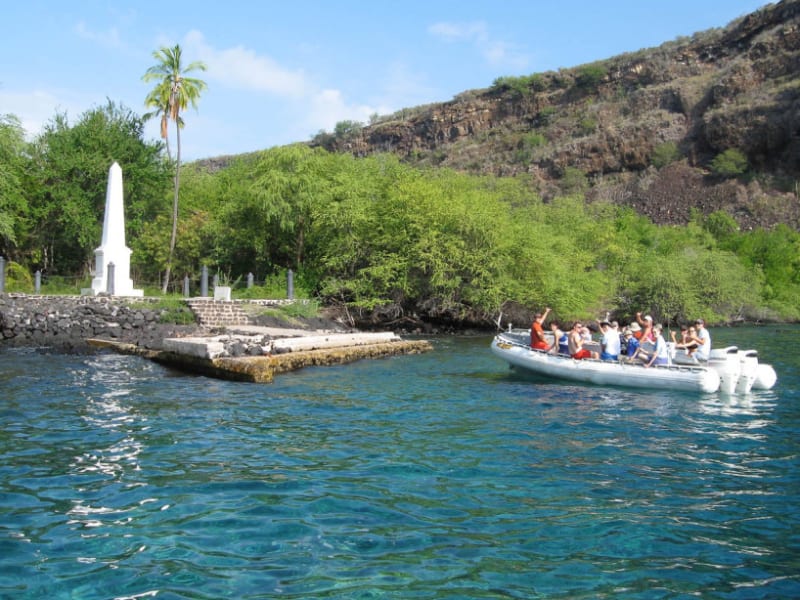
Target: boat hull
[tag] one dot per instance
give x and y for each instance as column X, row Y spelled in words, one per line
column 683, row 378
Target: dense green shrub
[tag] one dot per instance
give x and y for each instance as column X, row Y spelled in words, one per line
column 587, row 125
column 665, row 154
column 18, row 278
column 522, row 86
column 590, row 76
column 730, row 163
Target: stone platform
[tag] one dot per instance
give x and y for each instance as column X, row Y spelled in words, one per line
column 260, row 356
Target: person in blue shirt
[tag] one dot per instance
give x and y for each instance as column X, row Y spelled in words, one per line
column 631, row 344
column 560, row 339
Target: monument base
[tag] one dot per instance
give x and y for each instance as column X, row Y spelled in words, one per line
column 132, row 293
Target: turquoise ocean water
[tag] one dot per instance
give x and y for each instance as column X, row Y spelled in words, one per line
column 443, row 475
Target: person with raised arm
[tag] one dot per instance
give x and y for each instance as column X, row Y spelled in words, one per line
column 538, row 340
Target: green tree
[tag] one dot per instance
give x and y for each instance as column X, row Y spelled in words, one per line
column 665, row 154
column 347, row 130
column 522, row 86
column 376, row 234
column 13, row 201
column 730, row 163
column 590, row 76
column 158, row 99
column 173, row 93
column 573, row 181
column 68, row 181
column 290, row 184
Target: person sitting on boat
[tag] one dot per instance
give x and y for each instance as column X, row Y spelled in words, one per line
column 644, row 351
column 687, row 342
column 610, row 342
column 703, row 339
column 631, row 344
column 661, row 353
column 538, row 341
column 560, row 339
column 575, row 344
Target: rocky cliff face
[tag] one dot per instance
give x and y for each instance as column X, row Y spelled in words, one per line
column 640, row 129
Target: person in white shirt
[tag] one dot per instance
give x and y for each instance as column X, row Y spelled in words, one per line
column 610, row 342
column 703, row 340
column 661, row 353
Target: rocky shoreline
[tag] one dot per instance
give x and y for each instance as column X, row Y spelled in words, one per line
column 65, row 322
column 254, row 353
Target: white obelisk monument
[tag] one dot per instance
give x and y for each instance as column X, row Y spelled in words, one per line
column 112, row 250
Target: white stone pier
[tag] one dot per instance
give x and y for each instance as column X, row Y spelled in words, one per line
column 112, row 250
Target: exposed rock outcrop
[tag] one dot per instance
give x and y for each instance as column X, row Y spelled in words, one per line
column 732, row 88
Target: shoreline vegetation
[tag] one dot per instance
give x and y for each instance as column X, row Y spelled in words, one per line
column 399, row 245
column 66, row 321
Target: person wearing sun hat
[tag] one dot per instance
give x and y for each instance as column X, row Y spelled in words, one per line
column 647, row 327
column 631, row 343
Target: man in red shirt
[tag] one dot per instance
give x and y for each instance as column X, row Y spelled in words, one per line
column 538, row 341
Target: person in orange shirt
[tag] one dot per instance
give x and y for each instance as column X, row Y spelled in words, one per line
column 538, row 341
column 647, row 328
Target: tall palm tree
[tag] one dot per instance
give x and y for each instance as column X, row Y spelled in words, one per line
column 173, row 93
column 158, row 99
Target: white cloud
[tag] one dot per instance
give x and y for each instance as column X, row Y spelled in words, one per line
column 455, row 32
column 34, row 109
column 242, row 68
column 494, row 52
column 328, row 107
column 109, row 38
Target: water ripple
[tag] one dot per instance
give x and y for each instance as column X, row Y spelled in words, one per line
column 437, row 476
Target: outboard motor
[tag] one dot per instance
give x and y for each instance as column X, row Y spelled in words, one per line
column 748, row 364
column 725, row 361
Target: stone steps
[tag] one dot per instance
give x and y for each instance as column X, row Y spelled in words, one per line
column 217, row 313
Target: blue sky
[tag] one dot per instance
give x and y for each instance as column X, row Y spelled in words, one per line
column 279, row 71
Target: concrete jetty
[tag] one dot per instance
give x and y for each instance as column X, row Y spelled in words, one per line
column 258, row 354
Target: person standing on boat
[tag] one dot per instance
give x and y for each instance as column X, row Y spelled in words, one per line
column 575, row 344
column 661, row 353
column 538, row 341
column 703, row 339
column 610, row 342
